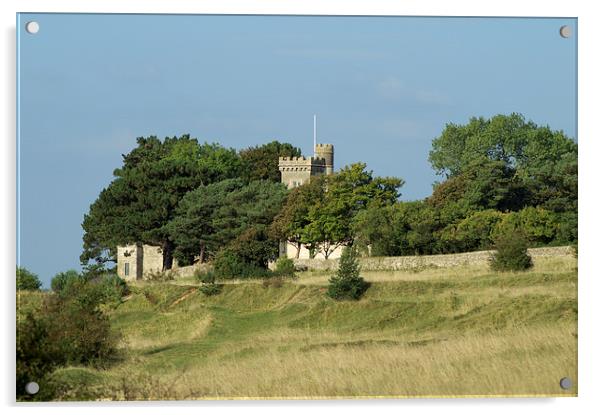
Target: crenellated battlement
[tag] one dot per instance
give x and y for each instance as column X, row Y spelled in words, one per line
column 296, row 171
column 326, row 151
column 290, row 161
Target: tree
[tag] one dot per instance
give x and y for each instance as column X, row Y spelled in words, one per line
column 375, row 228
column 553, row 184
column 146, row 190
column 347, row 284
column 64, row 280
column 254, row 247
column 423, row 222
column 507, row 138
column 72, row 329
column 290, row 223
column 537, row 225
column 261, row 162
column 483, row 184
column 473, row 232
column 192, row 228
column 345, row 194
column 543, row 162
column 254, row 205
column 210, row 217
column 27, row 280
column 511, row 253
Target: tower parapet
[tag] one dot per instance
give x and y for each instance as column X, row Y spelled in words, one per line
column 326, row 152
column 296, row 171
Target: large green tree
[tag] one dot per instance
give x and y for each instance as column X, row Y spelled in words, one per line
column 192, row 228
column 483, row 184
column 210, row 217
column 345, row 194
column 290, row 223
column 507, row 164
column 261, row 162
column 146, row 190
column 508, row 138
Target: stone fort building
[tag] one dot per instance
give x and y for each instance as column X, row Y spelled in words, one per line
column 295, row 171
column 136, row 261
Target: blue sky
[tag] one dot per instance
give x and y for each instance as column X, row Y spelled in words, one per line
column 383, row 88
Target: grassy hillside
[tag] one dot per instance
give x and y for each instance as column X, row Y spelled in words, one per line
column 462, row 331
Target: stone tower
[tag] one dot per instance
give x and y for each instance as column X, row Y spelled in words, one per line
column 326, row 152
column 295, row 171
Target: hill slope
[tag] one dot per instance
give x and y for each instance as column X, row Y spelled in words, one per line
column 431, row 333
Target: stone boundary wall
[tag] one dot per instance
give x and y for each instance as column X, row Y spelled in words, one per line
column 412, row 262
column 188, row 271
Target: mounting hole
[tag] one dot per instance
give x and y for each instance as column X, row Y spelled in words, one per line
column 566, row 383
column 32, row 27
column 565, row 31
column 32, row 388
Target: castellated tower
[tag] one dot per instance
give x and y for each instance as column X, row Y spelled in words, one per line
column 326, row 152
column 296, row 171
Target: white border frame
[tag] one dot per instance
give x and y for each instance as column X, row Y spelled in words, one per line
column 590, row 287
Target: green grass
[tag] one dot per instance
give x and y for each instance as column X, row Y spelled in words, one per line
column 455, row 332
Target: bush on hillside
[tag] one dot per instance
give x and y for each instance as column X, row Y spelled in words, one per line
column 63, row 282
column 347, row 284
column 285, row 267
column 207, row 280
column 511, row 253
column 228, row 265
column 472, row 233
column 211, row 289
column 160, row 276
column 537, row 225
column 205, row 276
column 72, row 330
column 27, row 280
column 275, row 282
column 112, row 288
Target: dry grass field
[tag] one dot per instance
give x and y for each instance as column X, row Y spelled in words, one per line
column 434, row 332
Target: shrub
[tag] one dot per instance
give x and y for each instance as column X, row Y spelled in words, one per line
column 205, row 277
column 95, row 270
column 285, row 267
column 211, row 289
column 537, row 225
column 64, row 282
column 471, row 233
column 275, row 282
column 511, row 253
column 347, row 284
column 27, row 280
column 71, row 330
column 151, row 297
column 112, row 288
column 228, row 265
column 567, row 228
column 160, row 276
column 105, row 288
column 255, row 247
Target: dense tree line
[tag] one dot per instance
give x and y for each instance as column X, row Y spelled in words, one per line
column 146, row 203
column 502, row 175
column 206, row 202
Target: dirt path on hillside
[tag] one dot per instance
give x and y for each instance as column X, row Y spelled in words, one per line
column 183, row 297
